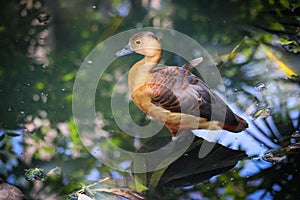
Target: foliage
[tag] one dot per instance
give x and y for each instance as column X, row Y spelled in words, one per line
column 256, row 45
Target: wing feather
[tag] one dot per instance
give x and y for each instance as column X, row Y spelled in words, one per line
column 178, row 90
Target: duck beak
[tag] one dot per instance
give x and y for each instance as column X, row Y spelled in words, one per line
column 125, row 51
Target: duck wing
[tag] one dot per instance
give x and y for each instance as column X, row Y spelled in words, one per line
column 193, row 63
column 178, row 90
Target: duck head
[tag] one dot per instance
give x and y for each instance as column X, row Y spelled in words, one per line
column 144, row 43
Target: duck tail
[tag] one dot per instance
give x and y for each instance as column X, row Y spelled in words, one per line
column 240, row 126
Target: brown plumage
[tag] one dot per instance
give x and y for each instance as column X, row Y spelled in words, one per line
column 10, row 192
column 173, row 95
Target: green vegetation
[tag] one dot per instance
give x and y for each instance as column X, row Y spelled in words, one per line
column 44, row 42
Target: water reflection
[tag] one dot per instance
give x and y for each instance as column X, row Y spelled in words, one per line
column 256, row 46
column 260, row 86
column 35, row 174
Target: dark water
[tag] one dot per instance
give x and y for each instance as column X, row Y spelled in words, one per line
column 53, row 52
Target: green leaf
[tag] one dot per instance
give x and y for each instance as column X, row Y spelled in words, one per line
column 68, row 76
column 40, row 85
column 48, row 149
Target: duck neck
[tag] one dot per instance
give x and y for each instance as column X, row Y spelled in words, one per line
column 139, row 72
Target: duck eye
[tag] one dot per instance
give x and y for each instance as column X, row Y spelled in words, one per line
column 138, row 42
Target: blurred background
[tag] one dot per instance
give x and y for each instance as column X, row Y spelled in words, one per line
column 255, row 45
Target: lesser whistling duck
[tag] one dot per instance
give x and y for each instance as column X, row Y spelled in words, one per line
column 173, row 95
